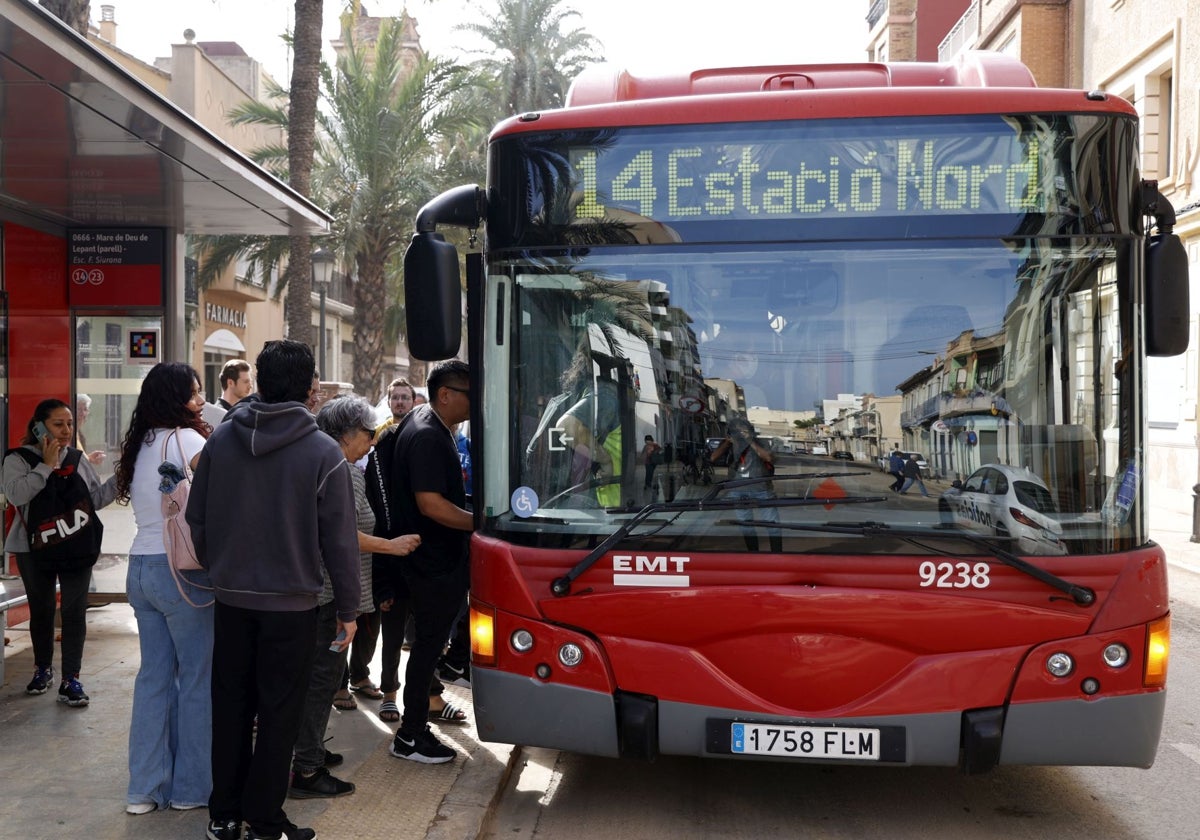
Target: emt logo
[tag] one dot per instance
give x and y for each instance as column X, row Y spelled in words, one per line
column 646, row 570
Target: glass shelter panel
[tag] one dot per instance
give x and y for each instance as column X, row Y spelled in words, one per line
column 113, row 353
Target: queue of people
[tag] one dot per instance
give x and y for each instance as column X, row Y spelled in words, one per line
column 243, row 658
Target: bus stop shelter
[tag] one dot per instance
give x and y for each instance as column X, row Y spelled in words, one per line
column 101, row 181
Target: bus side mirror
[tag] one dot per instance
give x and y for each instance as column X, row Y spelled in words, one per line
column 1167, row 310
column 432, row 297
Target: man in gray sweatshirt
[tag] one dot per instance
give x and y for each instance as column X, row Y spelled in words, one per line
column 271, row 499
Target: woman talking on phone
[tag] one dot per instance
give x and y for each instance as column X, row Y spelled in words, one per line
column 56, row 493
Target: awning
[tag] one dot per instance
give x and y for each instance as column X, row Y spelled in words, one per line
column 85, row 144
column 224, row 340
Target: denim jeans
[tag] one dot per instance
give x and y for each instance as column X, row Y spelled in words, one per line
column 910, row 481
column 170, row 734
column 323, row 681
column 764, row 514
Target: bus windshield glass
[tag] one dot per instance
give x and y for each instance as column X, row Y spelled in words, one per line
column 653, row 366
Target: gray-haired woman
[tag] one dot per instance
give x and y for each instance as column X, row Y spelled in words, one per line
column 351, row 422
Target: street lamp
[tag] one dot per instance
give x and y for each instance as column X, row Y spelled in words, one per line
column 322, row 273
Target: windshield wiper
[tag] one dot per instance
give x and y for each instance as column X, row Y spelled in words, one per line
column 562, row 586
column 1081, row 595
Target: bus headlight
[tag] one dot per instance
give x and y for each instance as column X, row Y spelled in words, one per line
column 1158, row 649
column 1060, row 664
column 1116, row 655
column 521, row 640
column 570, row 654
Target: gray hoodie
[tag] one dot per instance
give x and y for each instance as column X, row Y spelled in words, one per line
column 270, row 500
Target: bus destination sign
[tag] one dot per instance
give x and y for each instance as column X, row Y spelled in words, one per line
column 677, row 176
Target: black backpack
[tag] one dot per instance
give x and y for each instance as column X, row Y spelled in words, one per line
column 63, row 529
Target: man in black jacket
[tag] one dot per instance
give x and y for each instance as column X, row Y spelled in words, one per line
column 271, row 500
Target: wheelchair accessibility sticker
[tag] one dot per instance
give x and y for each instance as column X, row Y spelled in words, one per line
column 524, row 502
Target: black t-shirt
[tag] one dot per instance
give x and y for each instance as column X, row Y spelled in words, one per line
column 426, row 460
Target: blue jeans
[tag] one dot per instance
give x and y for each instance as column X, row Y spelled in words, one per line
column 909, row 482
column 765, row 514
column 170, row 734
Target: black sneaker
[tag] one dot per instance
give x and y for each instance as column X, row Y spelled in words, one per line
column 425, row 748
column 450, row 675
column 71, row 693
column 320, row 785
column 291, row 833
column 43, row 678
column 224, row 830
column 333, row 759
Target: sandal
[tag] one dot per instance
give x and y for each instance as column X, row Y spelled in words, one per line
column 367, row 689
column 448, row 714
column 342, row 700
column 389, row 712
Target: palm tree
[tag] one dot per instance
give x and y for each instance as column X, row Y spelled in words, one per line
column 376, row 163
column 380, row 136
column 304, row 92
column 535, row 54
column 76, row 14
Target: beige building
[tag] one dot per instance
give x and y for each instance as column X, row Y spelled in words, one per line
column 1145, row 53
column 234, row 316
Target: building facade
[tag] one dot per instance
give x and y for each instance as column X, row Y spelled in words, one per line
column 1146, row 54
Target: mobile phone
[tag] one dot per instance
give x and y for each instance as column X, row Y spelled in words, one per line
column 336, row 647
column 40, row 432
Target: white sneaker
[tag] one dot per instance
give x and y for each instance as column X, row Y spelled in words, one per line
column 139, row 808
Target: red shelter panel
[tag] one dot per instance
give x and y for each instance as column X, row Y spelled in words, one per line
column 39, row 329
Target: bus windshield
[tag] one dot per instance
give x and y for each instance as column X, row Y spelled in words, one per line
column 1006, row 357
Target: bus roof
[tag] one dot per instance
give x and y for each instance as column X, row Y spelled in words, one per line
column 606, row 83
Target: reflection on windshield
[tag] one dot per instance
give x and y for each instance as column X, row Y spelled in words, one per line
column 641, row 375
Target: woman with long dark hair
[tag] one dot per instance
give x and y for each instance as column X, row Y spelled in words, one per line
column 170, row 734
column 47, row 462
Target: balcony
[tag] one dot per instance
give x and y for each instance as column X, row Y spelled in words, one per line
column 962, row 36
column 958, row 403
column 878, row 10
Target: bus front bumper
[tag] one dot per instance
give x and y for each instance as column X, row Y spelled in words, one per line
column 1113, row 731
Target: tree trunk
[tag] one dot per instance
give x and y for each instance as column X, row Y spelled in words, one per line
column 76, row 14
column 369, row 294
column 302, row 120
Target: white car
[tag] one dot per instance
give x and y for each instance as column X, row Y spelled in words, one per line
column 1008, row 502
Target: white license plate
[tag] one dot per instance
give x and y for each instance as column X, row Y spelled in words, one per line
column 805, row 741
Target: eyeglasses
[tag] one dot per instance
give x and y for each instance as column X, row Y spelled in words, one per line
column 460, row 390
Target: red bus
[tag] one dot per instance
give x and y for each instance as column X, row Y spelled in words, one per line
column 689, row 257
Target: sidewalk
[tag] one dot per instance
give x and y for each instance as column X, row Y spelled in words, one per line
column 64, row 770
column 1171, row 526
